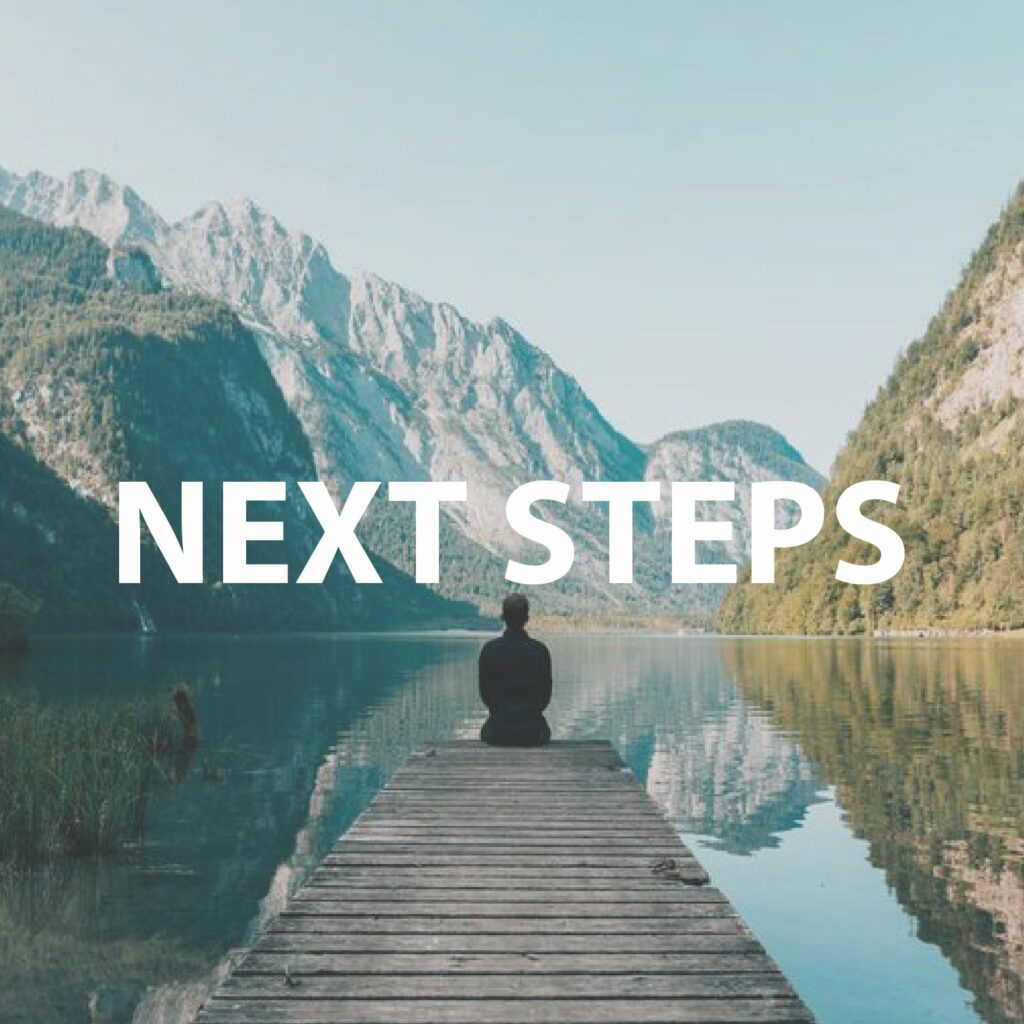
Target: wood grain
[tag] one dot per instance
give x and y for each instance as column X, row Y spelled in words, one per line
column 497, row 886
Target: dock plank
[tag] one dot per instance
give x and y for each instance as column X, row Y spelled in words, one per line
column 487, row 886
column 764, row 1010
column 457, row 985
column 506, row 925
column 678, row 942
column 579, row 963
column 455, row 893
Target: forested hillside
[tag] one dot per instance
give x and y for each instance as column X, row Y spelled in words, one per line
column 104, row 376
column 947, row 426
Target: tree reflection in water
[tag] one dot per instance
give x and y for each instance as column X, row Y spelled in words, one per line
column 925, row 746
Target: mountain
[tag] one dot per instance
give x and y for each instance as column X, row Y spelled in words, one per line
column 387, row 385
column 948, row 427
column 105, row 376
column 734, row 450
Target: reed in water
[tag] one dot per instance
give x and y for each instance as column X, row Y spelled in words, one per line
column 79, row 782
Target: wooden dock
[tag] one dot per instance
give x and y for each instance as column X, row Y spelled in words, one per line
column 496, row 886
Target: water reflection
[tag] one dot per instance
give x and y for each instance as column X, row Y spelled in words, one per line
column 738, row 742
column 925, row 745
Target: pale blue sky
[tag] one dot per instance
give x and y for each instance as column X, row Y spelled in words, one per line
column 701, row 210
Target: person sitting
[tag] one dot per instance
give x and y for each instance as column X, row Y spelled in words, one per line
column 515, row 682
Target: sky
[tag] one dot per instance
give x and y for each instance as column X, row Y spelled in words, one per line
column 703, row 211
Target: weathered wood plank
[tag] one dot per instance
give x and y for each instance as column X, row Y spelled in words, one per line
column 467, row 812
column 579, row 866
column 616, row 925
column 551, row 803
column 571, row 780
column 461, row 848
column 434, row 818
column 569, row 773
column 487, row 886
column 577, row 750
column 518, row 964
column 427, row 859
column 436, row 910
column 507, row 1011
column 504, row 986
column 522, row 876
column 737, row 940
column 325, row 890
column 466, row 828
column 546, row 802
column 483, row 841
column 609, row 791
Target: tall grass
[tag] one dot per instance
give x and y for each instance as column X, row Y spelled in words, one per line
column 78, row 782
column 66, row 936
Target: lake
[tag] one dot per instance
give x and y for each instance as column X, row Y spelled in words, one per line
column 861, row 803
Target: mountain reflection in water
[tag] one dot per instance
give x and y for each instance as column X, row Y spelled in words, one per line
column 739, row 741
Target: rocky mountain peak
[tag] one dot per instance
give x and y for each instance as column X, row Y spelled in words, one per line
column 746, row 440
column 277, row 279
column 87, row 199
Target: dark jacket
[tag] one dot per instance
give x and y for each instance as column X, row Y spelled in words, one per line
column 515, row 684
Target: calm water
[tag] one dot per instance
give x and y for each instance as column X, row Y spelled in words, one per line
column 862, row 804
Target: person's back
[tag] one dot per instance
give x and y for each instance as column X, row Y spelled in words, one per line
column 515, row 682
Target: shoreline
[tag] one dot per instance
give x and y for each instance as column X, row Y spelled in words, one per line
column 945, row 633
column 541, row 628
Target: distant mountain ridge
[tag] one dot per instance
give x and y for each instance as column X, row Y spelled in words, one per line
column 387, row 385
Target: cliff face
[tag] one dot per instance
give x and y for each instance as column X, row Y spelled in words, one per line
column 104, row 379
column 948, row 427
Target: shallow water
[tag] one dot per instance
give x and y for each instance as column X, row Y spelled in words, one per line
column 862, row 804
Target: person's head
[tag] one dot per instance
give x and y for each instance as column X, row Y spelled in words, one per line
column 515, row 611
